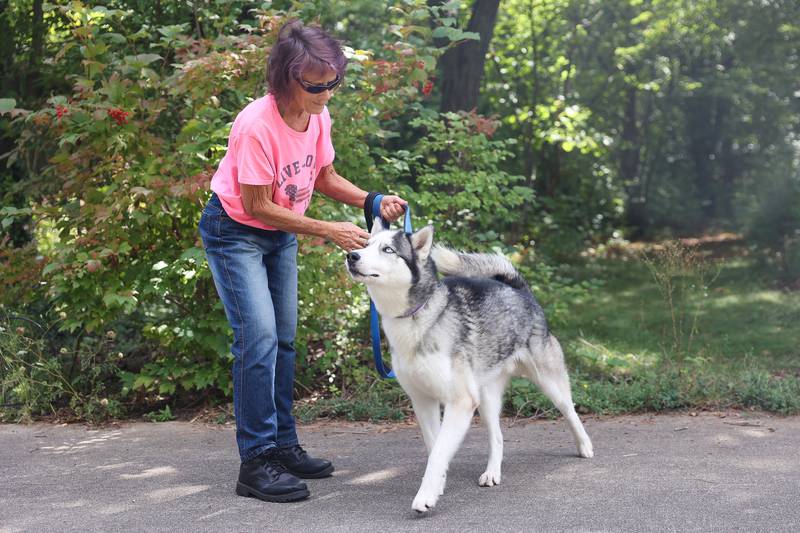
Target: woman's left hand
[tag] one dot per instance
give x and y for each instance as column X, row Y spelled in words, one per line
column 392, row 207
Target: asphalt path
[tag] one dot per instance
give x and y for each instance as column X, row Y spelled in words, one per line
column 711, row 472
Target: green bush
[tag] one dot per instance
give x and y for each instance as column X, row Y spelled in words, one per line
column 457, row 180
column 120, row 173
column 43, row 373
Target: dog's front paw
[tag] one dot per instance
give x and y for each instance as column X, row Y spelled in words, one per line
column 424, row 501
column 490, row 478
column 586, row 450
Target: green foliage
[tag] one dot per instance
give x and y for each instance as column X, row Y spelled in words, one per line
column 555, row 290
column 653, row 114
column 162, row 415
column 775, row 226
column 27, row 383
column 534, row 84
column 648, row 341
column 659, row 391
column 383, row 401
column 681, row 273
column 41, row 374
column 467, row 193
column 772, row 393
column 123, row 187
column 129, row 153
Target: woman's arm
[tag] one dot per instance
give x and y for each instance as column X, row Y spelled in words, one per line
column 338, row 188
column 257, row 202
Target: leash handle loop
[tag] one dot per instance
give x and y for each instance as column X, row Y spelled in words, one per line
column 375, row 211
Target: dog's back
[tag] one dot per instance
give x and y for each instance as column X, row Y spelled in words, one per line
column 499, row 313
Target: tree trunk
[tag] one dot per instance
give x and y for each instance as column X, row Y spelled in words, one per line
column 196, row 21
column 531, row 152
column 701, row 147
column 37, row 34
column 6, row 50
column 462, row 65
column 553, row 179
column 630, row 166
column 703, row 137
column 728, row 166
column 37, row 39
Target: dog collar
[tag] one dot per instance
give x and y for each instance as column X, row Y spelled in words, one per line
column 412, row 312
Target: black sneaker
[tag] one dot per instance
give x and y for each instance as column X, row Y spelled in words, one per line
column 265, row 478
column 297, row 461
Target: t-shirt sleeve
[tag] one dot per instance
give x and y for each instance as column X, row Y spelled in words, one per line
column 325, row 151
column 254, row 165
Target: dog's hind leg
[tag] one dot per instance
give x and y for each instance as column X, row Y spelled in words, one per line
column 490, row 407
column 457, row 417
column 546, row 368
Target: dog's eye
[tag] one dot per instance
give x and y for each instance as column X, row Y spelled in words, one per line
column 387, row 250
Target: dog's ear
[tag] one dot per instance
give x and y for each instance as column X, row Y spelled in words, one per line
column 421, row 241
column 377, row 226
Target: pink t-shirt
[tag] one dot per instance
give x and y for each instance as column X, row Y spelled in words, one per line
column 264, row 150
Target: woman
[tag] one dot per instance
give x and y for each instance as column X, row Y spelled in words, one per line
column 279, row 152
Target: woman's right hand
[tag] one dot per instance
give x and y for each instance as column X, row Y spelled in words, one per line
column 347, row 236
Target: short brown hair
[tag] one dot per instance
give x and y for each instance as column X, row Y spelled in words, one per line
column 301, row 49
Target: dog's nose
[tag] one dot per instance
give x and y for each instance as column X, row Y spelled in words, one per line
column 352, row 257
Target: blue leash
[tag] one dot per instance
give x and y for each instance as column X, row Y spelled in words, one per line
column 374, row 321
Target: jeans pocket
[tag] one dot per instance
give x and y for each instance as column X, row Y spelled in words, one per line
column 214, row 207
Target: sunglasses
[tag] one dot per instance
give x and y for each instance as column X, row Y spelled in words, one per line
column 317, row 89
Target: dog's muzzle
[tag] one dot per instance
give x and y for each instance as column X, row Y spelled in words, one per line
column 352, row 260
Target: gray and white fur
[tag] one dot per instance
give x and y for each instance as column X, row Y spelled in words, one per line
column 456, row 341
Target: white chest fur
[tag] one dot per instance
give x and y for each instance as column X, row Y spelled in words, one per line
column 423, row 366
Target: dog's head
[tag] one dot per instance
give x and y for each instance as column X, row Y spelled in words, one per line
column 392, row 259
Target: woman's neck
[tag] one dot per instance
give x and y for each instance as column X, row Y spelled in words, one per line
column 294, row 116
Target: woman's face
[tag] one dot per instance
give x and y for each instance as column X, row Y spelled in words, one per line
column 313, row 103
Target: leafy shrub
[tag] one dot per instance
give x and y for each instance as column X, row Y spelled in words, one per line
column 42, row 373
column 457, row 178
column 120, row 174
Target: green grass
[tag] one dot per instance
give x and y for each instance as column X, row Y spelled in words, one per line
column 744, row 321
column 386, row 401
column 659, row 391
column 732, row 343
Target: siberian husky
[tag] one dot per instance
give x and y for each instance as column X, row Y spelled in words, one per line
column 457, row 340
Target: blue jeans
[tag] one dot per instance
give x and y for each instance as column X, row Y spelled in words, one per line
column 255, row 272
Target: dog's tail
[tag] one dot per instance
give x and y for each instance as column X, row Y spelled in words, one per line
column 494, row 266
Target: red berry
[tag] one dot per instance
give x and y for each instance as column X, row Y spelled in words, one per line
column 120, row 116
column 61, row 110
